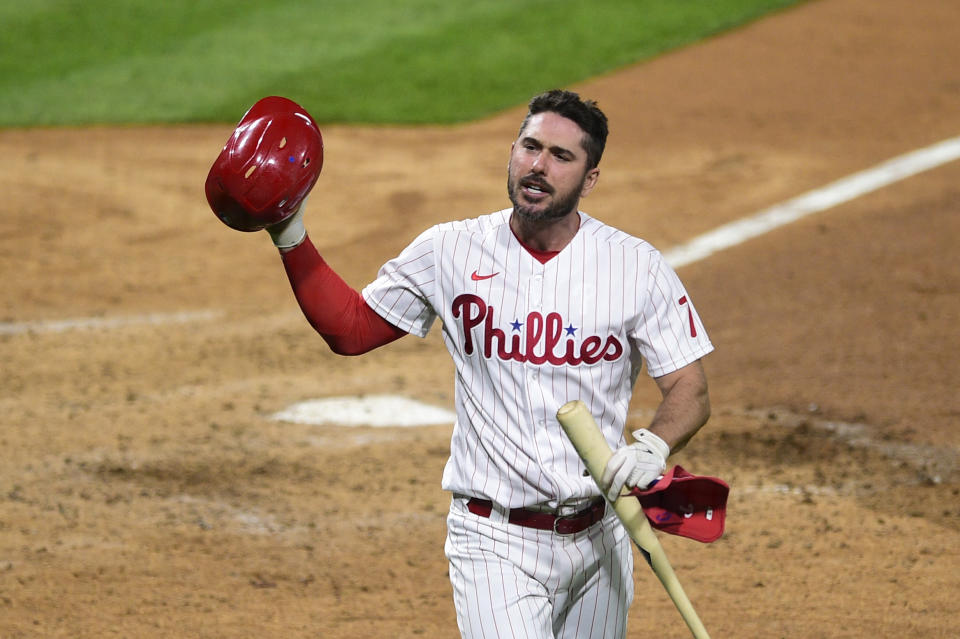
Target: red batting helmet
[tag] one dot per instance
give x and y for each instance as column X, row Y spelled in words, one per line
column 267, row 167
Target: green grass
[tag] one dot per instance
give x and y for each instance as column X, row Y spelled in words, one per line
column 376, row 61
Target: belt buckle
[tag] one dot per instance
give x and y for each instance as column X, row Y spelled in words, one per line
column 560, row 518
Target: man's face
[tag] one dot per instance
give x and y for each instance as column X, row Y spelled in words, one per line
column 547, row 174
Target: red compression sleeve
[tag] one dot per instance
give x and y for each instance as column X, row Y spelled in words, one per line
column 333, row 308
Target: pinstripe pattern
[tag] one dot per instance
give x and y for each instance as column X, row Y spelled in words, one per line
column 526, row 338
column 525, row 583
column 606, row 293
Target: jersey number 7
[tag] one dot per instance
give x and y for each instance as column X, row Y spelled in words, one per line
column 693, row 329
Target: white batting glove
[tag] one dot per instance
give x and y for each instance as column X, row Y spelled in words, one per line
column 636, row 465
column 291, row 232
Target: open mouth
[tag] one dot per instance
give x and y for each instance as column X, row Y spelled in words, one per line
column 536, row 188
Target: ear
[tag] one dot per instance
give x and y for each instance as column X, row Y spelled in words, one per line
column 590, row 181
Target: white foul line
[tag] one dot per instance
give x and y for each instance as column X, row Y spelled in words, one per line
column 61, row 326
column 838, row 192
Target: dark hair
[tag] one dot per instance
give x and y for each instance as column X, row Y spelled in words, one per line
column 585, row 113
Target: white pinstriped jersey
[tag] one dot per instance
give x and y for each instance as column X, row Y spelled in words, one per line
column 528, row 337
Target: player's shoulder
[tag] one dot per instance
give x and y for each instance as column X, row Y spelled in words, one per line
column 604, row 234
column 482, row 225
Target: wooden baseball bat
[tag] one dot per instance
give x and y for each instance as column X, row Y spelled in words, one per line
column 582, row 429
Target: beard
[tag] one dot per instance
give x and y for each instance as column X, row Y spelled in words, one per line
column 560, row 206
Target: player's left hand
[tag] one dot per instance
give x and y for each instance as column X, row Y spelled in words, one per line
column 636, row 465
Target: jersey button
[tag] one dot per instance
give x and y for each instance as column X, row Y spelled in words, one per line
column 536, row 290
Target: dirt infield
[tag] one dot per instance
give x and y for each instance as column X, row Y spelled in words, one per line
column 144, row 492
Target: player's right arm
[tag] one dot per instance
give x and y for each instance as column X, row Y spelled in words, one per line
column 335, row 310
column 261, row 180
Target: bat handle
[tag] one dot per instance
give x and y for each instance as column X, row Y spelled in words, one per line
column 582, row 429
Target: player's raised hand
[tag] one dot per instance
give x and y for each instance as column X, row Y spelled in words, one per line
column 636, row 465
column 267, row 167
column 290, row 232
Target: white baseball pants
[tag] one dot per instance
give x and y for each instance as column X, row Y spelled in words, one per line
column 511, row 581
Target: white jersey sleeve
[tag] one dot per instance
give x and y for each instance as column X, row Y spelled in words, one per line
column 404, row 288
column 668, row 332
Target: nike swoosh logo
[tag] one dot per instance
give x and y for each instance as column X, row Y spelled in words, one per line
column 476, row 277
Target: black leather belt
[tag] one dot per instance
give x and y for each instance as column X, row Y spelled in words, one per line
column 560, row 524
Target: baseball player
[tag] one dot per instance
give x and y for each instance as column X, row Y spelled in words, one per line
column 540, row 304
